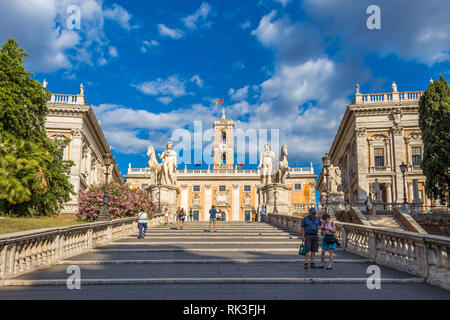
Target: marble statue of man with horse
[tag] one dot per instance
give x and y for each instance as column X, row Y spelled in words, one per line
column 164, row 172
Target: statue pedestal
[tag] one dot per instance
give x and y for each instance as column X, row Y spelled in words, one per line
column 283, row 198
column 165, row 196
column 336, row 203
column 378, row 205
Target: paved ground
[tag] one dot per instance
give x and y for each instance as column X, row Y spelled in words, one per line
column 240, row 261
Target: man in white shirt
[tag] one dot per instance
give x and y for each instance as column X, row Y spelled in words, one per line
column 142, row 224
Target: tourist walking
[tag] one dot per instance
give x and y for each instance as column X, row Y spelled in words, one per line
column 182, row 217
column 178, row 215
column 253, row 214
column 166, row 216
column 328, row 229
column 142, row 224
column 263, row 213
column 310, row 228
column 191, row 214
column 369, row 204
column 212, row 218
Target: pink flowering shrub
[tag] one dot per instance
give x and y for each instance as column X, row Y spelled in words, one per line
column 123, row 202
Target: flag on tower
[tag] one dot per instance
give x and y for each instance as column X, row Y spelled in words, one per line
column 241, row 165
column 220, row 101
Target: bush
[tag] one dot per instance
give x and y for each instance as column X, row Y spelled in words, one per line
column 123, row 202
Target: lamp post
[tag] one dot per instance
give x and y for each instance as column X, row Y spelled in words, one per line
column 275, row 209
column 403, row 170
column 326, row 164
column 104, row 214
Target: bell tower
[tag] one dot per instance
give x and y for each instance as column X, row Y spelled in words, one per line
column 223, row 147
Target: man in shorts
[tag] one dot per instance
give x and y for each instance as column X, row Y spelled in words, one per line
column 310, row 228
column 212, row 218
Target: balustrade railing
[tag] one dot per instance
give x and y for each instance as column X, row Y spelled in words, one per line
column 27, row 251
column 423, row 255
column 388, row 97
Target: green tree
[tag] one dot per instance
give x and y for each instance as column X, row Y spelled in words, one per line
column 33, row 176
column 434, row 121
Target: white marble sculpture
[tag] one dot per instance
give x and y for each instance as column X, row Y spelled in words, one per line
column 282, row 167
column 153, row 165
column 377, row 195
column 334, row 179
column 169, row 165
column 266, row 164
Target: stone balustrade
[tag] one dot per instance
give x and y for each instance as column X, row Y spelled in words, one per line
column 200, row 172
column 423, row 255
column 67, row 99
column 26, row 251
column 377, row 98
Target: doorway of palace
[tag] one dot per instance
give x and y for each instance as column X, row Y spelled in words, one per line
column 196, row 215
column 247, row 216
column 384, row 195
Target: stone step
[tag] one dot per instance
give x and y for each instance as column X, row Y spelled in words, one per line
column 131, row 281
column 202, row 261
column 190, row 242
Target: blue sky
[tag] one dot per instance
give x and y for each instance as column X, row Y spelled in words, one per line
column 150, row 67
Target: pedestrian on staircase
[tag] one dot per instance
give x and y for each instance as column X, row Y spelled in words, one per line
column 310, row 228
column 263, row 213
column 166, row 216
column 212, row 218
column 191, row 214
column 253, row 214
column 178, row 215
column 328, row 229
column 369, row 204
column 142, row 223
column 182, row 217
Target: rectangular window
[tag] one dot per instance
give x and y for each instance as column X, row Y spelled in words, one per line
column 379, row 157
column 247, row 188
column 297, row 186
column 222, row 188
column 196, row 188
column 416, row 156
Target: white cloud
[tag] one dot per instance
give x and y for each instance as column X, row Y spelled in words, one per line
column 165, row 100
column 148, row 44
column 113, row 52
column 245, row 25
column 40, row 27
column 239, row 94
column 168, row 32
column 199, row 16
column 120, row 15
column 197, row 80
column 413, row 30
column 170, row 87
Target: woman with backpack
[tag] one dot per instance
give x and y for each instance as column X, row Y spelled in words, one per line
column 328, row 229
column 182, row 216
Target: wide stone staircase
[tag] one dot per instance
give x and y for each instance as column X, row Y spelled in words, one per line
column 239, row 261
column 385, row 220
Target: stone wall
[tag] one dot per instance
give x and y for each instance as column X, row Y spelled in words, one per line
column 434, row 223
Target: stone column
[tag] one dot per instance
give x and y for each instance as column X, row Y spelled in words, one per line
column 399, row 157
column 410, row 191
column 208, row 203
column 184, row 197
column 89, row 166
column 235, row 196
column 76, row 156
column 363, row 163
column 389, row 192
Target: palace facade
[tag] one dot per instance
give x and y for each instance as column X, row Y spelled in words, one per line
column 71, row 117
column 378, row 133
column 233, row 191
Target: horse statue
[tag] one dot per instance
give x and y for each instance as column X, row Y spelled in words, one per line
column 282, row 167
column 153, row 164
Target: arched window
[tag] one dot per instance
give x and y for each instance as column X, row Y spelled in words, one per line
column 224, row 136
